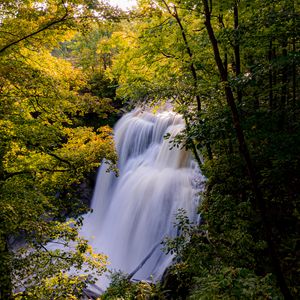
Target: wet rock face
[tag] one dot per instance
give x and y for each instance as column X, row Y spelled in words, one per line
column 176, row 287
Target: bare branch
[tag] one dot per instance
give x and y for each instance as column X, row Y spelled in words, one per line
column 167, row 55
column 160, row 24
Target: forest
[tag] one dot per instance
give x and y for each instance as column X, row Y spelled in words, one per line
column 69, row 69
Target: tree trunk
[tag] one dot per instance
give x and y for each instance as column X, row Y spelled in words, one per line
column 237, row 50
column 275, row 92
column 294, row 74
column 294, row 59
column 5, row 270
column 188, row 50
column 271, row 100
column 283, row 97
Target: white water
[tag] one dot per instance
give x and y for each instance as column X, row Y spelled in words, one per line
column 134, row 212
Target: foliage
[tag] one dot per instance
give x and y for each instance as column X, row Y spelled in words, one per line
column 60, row 269
column 46, row 150
column 90, row 51
column 230, row 283
column 200, row 268
column 122, row 288
column 178, row 244
column 35, row 23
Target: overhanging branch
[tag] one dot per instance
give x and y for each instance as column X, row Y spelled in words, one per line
column 62, row 19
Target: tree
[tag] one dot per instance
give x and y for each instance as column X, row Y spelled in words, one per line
column 45, row 151
column 259, row 201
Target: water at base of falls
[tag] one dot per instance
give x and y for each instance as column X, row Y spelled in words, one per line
column 134, row 212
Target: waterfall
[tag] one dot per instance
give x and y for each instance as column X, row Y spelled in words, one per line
column 132, row 213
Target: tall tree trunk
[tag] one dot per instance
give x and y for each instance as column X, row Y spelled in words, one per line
column 188, row 50
column 275, row 81
column 5, row 270
column 226, row 61
column 284, row 78
column 193, row 146
column 294, row 74
column 271, row 100
column 237, row 49
column 259, row 202
column 294, row 60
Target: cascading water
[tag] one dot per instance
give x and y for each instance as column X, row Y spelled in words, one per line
column 133, row 213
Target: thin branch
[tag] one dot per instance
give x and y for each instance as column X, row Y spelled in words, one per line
column 35, row 32
column 54, row 170
column 10, row 175
column 199, row 30
column 188, row 50
column 61, row 159
column 160, row 24
column 7, row 32
column 54, row 255
column 168, row 55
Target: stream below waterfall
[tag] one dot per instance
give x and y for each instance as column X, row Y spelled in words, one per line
column 134, row 212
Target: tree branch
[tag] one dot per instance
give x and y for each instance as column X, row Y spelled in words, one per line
column 60, row 159
column 10, row 175
column 64, row 17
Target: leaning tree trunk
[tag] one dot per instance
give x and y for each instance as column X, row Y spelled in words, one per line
column 193, row 70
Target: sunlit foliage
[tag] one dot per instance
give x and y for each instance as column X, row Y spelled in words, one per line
column 46, row 150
